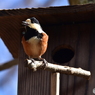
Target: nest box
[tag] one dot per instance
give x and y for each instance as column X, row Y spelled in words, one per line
column 71, row 31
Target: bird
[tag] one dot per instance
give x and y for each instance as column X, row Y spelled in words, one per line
column 35, row 40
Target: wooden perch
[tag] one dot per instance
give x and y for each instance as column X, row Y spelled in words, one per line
column 59, row 68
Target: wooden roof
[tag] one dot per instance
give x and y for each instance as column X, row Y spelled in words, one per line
column 11, row 20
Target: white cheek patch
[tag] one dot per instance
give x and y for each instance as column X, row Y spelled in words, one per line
column 28, row 20
column 37, row 27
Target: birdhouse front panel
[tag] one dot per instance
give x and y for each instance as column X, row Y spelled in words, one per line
column 71, row 42
column 77, row 37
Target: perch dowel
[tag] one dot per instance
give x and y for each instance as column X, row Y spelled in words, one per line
column 59, row 68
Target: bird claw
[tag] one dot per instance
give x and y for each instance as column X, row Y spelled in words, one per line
column 44, row 63
column 32, row 60
column 41, row 59
column 34, row 67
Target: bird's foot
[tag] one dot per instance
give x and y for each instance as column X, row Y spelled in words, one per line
column 44, row 62
column 39, row 59
column 32, row 64
column 29, row 61
column 32, row 60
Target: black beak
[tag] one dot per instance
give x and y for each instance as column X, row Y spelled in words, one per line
column 25, row 23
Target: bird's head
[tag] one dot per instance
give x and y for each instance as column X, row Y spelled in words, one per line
column 32, row 23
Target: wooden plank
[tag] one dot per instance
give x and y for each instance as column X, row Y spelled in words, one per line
column 80, row 42
column 73, row 43
column 53, row 42
column 82, row 57
column 65, row 38
column 32, row 83
column 82, row 10
column 81, row 37
column 91, row 65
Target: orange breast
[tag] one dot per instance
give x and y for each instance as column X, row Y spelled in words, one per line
column 27, row 47
column 43, row 43
column 35, row 48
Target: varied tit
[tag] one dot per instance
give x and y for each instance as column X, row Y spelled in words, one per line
column 35, row 40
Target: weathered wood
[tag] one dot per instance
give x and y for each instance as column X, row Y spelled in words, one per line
column 81, row 37
column 32, row 83
column 58, row 68
column 80, row 40
column 91, row 63
column 73, row 26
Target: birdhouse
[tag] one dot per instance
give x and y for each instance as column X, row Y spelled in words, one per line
column 71, row 31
